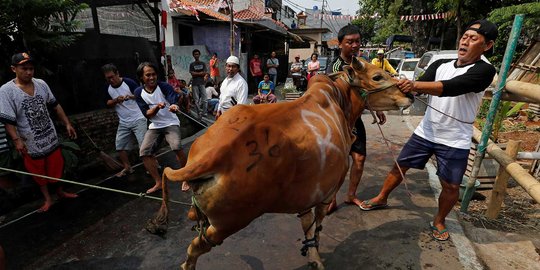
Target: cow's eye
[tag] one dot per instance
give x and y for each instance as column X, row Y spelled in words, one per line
column 378, row 77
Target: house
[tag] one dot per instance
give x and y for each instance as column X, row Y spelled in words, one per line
column 206, row 25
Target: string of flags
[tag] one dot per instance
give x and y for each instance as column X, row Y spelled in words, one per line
column 426, row 17
column 344, row 17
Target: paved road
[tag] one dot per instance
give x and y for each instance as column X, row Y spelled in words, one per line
column 106, row 231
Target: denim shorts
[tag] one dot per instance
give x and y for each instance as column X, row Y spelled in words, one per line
column 451, row 162
column 154, row 136
column 124, row 131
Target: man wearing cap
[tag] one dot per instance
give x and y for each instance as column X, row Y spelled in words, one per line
column 296, row 71
column 234, row 89
column 383, row 63
column 23, row 109
column 456, row 87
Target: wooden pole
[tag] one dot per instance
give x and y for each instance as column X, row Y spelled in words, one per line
column 231, row 49
column 524, row 179
column 505, row 67
column 501, row 182
column 528, row 90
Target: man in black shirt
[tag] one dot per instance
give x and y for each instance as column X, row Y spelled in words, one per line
column 349, row 44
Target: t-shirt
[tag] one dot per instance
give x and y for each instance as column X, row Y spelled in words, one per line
column 163, row 93
column 210, row 90
column 214, row 71
column 470, row 82
column 294, row 66
column 197, row 66
column 272, row 61
column 266, row 87
column 255, row 65
column 128, row 111
column 30, row 115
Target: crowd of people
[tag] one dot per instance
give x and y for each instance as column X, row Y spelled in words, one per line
column 148, row 111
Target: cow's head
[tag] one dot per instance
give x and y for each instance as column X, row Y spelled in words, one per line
column 375, row 86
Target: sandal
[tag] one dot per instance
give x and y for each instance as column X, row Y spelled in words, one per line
column 439, row 235
column 124, row 172
column 368, row 205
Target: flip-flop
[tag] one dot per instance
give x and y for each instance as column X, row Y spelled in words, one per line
column 367, row 205
column 123, row 173
column 439, row 235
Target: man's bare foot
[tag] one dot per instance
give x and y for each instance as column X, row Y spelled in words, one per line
column 67, row 195
column 353, row 200
column 185, row 186
column 154, row 189
column 45, row 207
column 331, row 207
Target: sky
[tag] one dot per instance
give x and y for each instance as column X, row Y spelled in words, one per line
column 348, row 7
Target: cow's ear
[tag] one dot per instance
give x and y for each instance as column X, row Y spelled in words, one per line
column 350, row 73
column 356, row 64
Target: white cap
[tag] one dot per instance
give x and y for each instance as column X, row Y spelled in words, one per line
column 380, row 51
column 233, row 60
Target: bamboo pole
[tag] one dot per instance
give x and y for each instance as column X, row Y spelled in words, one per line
column 527, row 90
column 505, row 67
column 501, row 182
column 524, row 179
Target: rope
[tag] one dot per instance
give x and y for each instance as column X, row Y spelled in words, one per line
column 140, row 195
column 415, row 97
column 390, row 150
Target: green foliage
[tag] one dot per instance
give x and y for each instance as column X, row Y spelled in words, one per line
column 504, row 107
column 42, row 25
column 504, row 18
column 515, row 109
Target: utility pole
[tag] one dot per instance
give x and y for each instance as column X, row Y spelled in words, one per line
column 231, row 11
column 322, row 13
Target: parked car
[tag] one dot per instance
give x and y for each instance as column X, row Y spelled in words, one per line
column 323, row 61
column 394, row 62
column 431, row 56
column 406, row 67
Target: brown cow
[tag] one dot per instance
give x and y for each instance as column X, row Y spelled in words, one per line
column 278, row 158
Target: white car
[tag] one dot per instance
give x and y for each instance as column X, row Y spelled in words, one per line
column 432, row 56
column 406, row 67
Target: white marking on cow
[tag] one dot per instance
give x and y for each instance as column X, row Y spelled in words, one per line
column 324, row 142
column 335, row 120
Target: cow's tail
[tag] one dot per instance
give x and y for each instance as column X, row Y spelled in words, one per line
column 158, row 225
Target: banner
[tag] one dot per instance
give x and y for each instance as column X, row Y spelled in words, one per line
column 426, row 17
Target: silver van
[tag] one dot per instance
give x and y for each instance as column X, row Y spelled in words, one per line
column 431, row 56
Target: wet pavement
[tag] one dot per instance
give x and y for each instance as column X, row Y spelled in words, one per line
column 103, row 230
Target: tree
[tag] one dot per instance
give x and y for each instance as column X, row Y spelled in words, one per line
column 38, row 26
column 504, row 18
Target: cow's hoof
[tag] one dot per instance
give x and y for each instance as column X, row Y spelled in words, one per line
column 184, row 266
column 316, row 265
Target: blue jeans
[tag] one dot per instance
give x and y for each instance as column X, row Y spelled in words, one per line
column 273, row 77
column 199, row 97
column 212, row 104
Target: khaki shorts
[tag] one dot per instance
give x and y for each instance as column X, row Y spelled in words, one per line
column 154, row 136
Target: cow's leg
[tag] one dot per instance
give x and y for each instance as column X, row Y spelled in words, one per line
column 202, row 245
column 311, row 242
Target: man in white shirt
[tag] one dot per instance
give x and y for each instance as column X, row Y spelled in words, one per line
column 157, row 101
column 132, row 121
column 234, row 89
column 455, row 88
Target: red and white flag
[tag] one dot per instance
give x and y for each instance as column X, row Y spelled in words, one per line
column 165, row 7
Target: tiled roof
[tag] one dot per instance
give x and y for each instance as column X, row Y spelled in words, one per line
column 253, row 15
column 209, row 8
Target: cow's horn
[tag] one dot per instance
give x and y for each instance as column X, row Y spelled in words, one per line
column 356, row 64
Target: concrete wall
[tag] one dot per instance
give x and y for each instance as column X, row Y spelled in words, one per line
column 214, row 39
